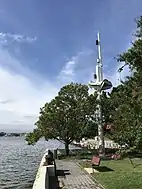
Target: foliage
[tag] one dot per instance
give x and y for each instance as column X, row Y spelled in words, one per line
column 33, row 137
column 125, row 101
column 67, row 117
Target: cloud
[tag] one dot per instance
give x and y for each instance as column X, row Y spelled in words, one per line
column 5, row 37
column 68, row 70
column 22, row 94
column 26, row 97
column 81, row 68
column 8, row 101
column 78, row 68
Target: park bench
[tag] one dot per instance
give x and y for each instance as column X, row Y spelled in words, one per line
column 116, row 156
column 95, row 161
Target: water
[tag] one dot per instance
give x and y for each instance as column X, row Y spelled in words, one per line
column 19, row 162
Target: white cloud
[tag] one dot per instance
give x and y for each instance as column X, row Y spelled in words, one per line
column 66, row 74
column 4, row 37
column 77, row 68
column 20, row 99
column 82, row 67
column 68, row 69
column 22, row 93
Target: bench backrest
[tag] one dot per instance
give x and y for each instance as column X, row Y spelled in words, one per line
column 96, row 160
column 116, row 156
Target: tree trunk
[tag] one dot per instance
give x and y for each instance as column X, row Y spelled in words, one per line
column 67, row 148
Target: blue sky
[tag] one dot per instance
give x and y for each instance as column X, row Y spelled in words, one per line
column 49, row 43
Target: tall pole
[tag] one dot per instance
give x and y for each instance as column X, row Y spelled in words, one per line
column 99, row 60
column 99, row 74
column 100, row 85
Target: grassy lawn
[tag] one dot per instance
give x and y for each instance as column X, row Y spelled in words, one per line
column 123, row 176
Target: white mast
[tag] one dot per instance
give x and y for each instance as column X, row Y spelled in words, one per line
column 99, row 74
column 100, row 85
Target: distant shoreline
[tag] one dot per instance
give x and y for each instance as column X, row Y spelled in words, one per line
column 3, row 134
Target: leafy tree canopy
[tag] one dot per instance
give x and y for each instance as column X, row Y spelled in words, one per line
column 125, row 101
column 68, row 117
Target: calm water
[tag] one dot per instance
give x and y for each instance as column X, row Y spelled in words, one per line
column 19, row 162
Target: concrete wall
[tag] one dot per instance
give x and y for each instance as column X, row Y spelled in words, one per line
column 43, row 175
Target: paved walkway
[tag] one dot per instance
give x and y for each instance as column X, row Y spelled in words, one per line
column 71, row 176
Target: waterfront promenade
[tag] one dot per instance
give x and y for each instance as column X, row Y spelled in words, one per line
column 71, row 176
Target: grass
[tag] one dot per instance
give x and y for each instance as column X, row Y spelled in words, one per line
column 123, row 176
column 114, row 174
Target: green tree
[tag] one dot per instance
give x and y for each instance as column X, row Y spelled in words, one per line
column 126, row 117
column 67, row 117
column 125, row 101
